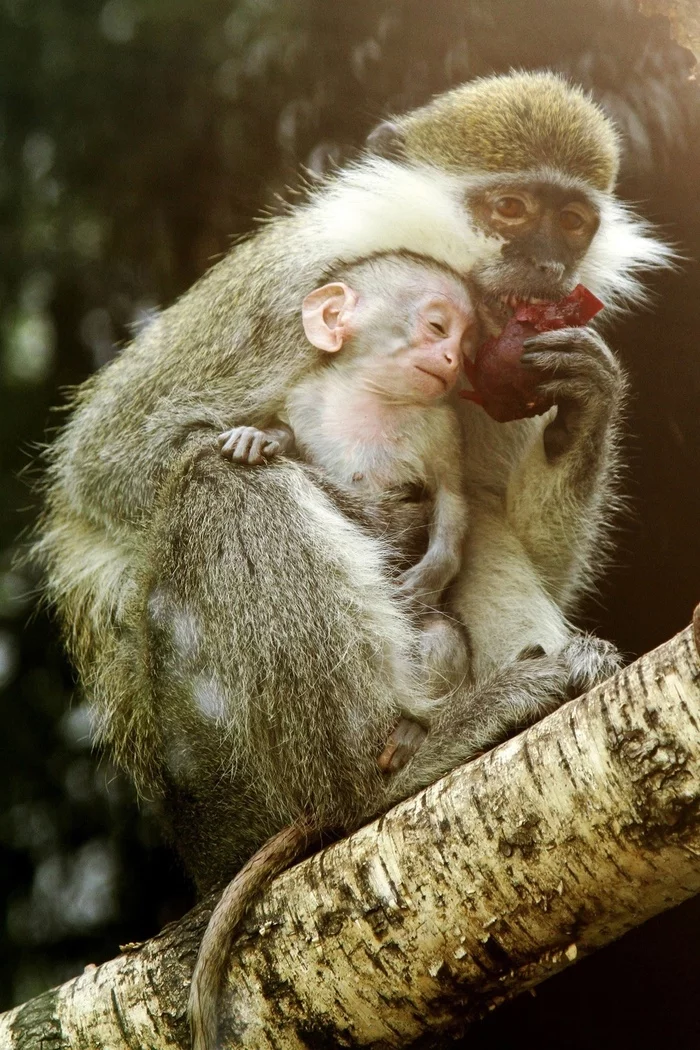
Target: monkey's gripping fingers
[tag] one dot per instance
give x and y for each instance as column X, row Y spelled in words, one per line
column 590, row 660
column 427, row 580
column 403, row 742
column 582, row 376
column 248, row 445
column 468, row 724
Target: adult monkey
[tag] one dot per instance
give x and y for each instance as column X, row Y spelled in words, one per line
column 234, row 629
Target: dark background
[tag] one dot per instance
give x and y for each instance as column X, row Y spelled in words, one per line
column 135, row 140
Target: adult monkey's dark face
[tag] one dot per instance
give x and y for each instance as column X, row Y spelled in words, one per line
column 530, row 162
column 540, row 228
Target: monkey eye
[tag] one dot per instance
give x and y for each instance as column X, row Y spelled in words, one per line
column 571, row 220
column 438, row 328
column 510, row 207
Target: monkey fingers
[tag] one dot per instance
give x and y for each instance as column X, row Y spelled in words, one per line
column 404, row 740
column 429, row 578
column 575, row 352
column 270, row 449
column 247, row 445
column 590, row 660
column 582, row 377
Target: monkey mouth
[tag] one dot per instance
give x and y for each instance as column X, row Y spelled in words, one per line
column 514, row 301
column 433, row 375
column 495, row 310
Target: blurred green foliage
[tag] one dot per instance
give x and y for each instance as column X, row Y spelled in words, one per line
column 138, row 138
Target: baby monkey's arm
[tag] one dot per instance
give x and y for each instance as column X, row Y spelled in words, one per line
column 427, row 580
column 254, row 447
column 444, row 657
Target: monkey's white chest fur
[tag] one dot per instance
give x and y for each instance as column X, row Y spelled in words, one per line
column 366, row 442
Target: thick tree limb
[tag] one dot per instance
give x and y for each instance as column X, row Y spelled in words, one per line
column 493, row 879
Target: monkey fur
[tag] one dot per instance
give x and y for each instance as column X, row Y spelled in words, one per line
column 235, row 631
column 380, row 419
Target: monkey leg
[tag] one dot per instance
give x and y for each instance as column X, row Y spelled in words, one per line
column 476, row 718
column 501, row 597
column 280, row 659
column 479, row 717
column 509, row 612
column 444, row 668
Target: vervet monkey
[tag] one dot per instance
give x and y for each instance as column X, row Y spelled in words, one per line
column 377, row 419
column 236, row 632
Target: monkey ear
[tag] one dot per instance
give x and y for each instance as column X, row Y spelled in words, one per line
column 325, row 314
column 386, row 140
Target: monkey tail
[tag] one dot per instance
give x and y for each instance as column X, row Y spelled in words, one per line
column 207, row 979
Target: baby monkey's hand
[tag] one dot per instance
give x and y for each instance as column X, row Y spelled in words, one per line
column 425, row 582
column 252, row 446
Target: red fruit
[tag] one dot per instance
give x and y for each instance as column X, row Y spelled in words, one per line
column 502, row 385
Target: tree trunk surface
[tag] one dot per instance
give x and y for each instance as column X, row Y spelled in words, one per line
column 494, row 878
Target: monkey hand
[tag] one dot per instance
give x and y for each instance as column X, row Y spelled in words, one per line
column 427, row 580
column 504, row 388
column 586, row 659
column 250, row 445
column 580, row 374
column 404, row 740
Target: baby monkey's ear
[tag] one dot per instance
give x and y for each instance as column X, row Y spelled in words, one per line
column 326, row 314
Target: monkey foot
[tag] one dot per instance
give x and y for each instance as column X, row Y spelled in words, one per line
column 404, row 741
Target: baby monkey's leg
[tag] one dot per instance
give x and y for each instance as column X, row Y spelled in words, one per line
column 444, row 661
column 254, row 447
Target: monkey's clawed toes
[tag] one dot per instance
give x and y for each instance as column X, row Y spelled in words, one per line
column 401, row 746
column 591, row 660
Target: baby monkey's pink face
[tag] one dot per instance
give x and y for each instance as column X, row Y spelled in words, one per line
column 428, row 362
column 404, row 340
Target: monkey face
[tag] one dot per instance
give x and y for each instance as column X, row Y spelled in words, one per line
column 429, row 364
column 538, row 230
column 410, row 345
column 399, row 327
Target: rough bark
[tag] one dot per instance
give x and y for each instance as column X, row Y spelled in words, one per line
column 496, row 877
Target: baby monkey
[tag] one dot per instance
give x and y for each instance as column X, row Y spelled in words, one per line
column 378, row 419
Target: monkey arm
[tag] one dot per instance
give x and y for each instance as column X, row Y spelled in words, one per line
column 224, row 354
column 559, row 493
column 426, row 580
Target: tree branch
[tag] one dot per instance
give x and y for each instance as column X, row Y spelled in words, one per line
column 496, row 877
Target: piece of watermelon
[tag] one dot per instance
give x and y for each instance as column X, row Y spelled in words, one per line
column 504, row 387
